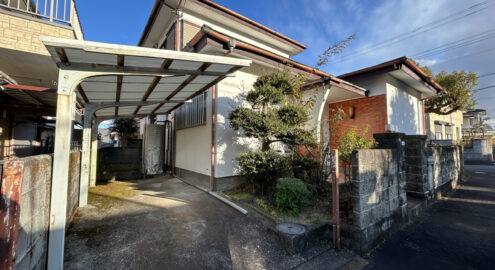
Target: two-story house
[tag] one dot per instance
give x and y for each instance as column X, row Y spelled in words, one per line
column 28, row 75
column 474, row 125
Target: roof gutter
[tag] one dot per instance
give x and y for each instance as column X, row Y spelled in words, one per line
column 205, row 30
column 154, row 13
column 397, row 64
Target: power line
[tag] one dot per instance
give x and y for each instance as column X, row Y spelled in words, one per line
column 457, row 44
column 486, row 75
column 484, row 88
column 420, row 30
column 465, row 55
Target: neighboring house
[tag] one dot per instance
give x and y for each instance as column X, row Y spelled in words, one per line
column 204, row 147
column 107, row 138
column 474, row 125
column 28, row 76
column 394, row 101
column 444, row 127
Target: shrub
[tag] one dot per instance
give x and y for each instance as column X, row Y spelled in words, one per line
column 305, row 168
column 263, row 168
column 291, row 195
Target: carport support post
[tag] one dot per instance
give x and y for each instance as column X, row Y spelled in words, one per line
column 60, row 175
column 86, row 155
column 94, row 152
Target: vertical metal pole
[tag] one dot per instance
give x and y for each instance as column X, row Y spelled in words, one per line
column 65, row 8
column 51, row 10
column 72, row 10
column 60, row 176
column 334, row 172
column 213, row 123
column 86, row 156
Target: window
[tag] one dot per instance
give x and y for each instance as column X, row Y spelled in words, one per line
column 448, row 132
column 458, row 134
column 438, row 132
column 192, row 113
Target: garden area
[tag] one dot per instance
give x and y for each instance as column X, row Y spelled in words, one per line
column 287, row 176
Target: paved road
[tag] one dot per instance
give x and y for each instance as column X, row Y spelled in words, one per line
column 163, row 223
column 458, row 233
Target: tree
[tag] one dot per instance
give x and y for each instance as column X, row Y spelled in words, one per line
column 275, row 115
column 125, row 127
column 334, row 50
column 459, row 91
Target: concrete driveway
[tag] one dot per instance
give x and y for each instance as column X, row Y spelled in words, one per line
column 456, row 233
column 164, row 223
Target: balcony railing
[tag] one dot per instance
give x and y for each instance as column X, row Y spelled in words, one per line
column 59, row 11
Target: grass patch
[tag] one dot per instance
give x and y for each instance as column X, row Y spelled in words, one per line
column 239, row 194
column 106, row 195
column 465, row 176
column 116, row 189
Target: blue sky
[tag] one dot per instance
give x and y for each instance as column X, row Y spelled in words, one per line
column 321, row 23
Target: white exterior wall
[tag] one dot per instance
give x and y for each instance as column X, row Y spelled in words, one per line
column 224, row 30
column 229, row 143
column 376, row 84
column 404, row 105
column 193, row 145
column 404, row 108
column 319, row 113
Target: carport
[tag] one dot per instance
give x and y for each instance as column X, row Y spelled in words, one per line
column 111, row 81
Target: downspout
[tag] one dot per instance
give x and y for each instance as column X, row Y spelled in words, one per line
column 178, row 32
column 11, row 135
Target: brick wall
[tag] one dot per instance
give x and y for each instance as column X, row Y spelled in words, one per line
column 22, row 34
column 370, row 111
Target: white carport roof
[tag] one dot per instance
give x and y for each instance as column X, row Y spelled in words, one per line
column 113, row 81
column 160, row 79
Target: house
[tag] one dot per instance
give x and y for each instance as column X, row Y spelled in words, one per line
column 395, row 91
column 202, row 146
column 474, row 125
column 28, row 76
column 444, row 127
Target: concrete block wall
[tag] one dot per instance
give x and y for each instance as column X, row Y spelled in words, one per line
column 430, row 168
column 378, row 196
column 22, row 34
column 33, row 224
column 416, row 166
column 446, row 165
column 480, row 153
column 35, row 212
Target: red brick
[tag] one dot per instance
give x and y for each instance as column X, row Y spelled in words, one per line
column 368, row 111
